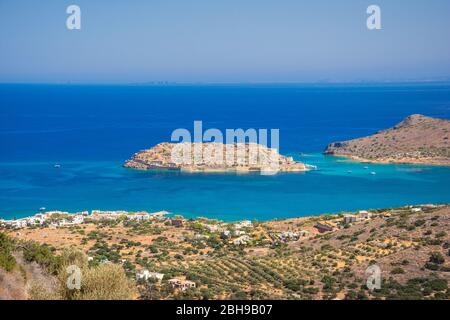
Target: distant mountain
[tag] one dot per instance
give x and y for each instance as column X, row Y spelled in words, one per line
column 416, row 140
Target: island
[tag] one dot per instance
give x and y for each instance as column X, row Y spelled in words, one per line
column 214, row 157
column 416, row 140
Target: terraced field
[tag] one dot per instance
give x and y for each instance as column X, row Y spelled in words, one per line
column 410, row 245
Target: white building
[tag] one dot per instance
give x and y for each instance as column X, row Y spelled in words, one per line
column 349, row 219
column 239, row 232
column 139, row 216
column 364, row 215
column 213, row 227
column 226, row 233
column 145, row 275
column 78, row 219
column 241, row 240
column 289, row 235
column 243, row 224
column 181, row 284
column 107, row 215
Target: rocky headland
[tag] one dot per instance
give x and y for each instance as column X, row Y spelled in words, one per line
column 416, row 140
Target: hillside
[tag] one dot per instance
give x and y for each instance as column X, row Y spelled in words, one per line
column 322, row 257
column 416, row 140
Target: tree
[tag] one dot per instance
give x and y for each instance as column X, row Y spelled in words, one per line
column 7, row 261
column 103, row 282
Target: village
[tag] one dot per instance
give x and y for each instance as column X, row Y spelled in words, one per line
column 64, row 218
column 170, row 251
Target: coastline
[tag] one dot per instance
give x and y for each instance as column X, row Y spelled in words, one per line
column 38, row 218
column 214, row 157
column 192, row 194
column 291, row 258
column 405, row 161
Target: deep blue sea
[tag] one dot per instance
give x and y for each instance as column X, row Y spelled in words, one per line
column 91, row 130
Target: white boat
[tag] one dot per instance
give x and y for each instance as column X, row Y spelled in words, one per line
column 373, row 173
column 57, row 166
column 42, row 208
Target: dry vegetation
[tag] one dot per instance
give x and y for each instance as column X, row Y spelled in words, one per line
column 411, row 246
column 417, row 139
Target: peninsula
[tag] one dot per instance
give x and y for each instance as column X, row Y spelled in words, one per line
column 213, row 157
column 416, row 140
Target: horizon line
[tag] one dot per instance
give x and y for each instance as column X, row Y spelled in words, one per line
column 212, row 83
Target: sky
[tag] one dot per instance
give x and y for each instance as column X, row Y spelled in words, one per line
column 222, row 41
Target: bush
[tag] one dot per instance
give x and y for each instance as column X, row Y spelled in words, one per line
column 7, row 261
column 104, row 282
column 397, row 270
column 437, row 258
column 431, row 266
column 43, row 255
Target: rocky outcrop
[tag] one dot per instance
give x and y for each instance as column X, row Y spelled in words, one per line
column 416, row 140
column 213, row 157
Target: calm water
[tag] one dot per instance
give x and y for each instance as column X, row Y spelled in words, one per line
column 91, row 130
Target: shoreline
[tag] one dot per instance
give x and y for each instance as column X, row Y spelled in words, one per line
column 215, row 256
column 406, row 161
column 199, row 157
column 119, row 214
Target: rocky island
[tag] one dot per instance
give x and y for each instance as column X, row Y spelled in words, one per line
column 416, row 140
column 213, row 157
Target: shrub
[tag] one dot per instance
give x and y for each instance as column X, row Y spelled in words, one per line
column 437, row 258
column 397, row 270
column 7, row 261
column 105, row 282
column 441, row 234
column 432, row 266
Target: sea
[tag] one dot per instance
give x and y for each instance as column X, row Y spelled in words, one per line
column 88, row 131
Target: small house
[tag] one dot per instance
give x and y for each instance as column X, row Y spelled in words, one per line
column 176, row 222
column 181, row 284
column 322, row 228
column 349, row 219
column 145, row 275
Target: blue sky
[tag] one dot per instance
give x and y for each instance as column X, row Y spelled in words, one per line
column 129, row 41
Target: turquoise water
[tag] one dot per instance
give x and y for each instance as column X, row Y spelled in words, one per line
column 91, row 130
column 332, row 188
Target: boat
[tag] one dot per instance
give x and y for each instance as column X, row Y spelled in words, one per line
column 373, row 173
column 42, row 208
column 57, row 166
